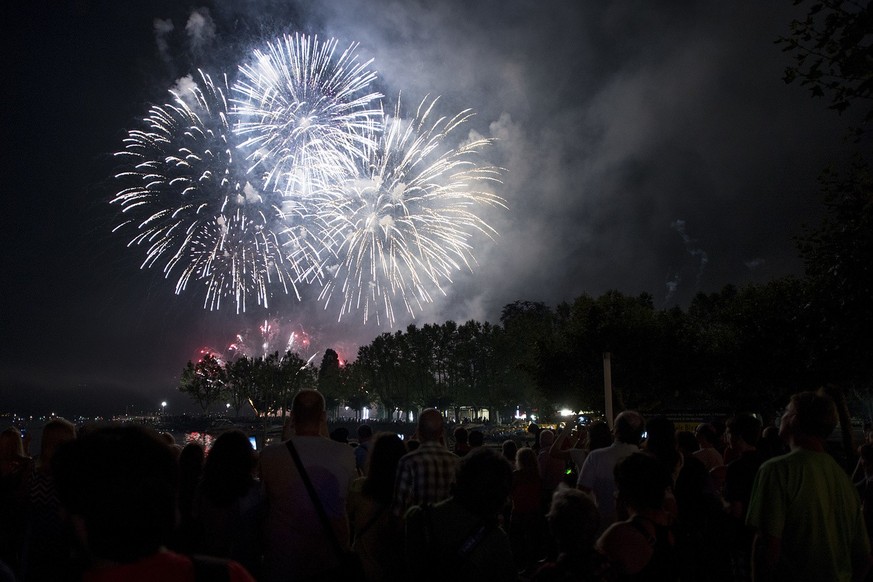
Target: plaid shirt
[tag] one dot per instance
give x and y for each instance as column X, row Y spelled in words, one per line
column 424, row 476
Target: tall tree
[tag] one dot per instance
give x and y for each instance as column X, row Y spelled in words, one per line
column 837, row 257
column 204, row 381
column 528, row 330
column 381, row 362
column 240, row 382
column 355, row 388
column 329, row 382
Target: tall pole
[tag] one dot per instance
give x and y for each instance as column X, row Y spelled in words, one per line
column 607, row 386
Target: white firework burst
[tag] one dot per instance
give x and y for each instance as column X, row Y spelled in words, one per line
column 405, row 224
column 187, row 197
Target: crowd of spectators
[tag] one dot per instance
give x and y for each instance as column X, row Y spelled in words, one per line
column 639, row 501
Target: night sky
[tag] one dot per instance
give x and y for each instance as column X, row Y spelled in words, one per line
column 648, row 147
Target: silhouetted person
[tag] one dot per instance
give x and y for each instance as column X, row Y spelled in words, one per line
column 804, row 508
column 377, row 532
column 597, row 474
column 365, row 434
column 229, row 507
column 426, row 474
column 459, row 538
column 47, row 542
column 462, row 444
column 641, row 547
column 118, row 485
column 296, row 543
column 573, row 522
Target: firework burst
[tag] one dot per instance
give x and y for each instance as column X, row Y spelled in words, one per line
column 193, row 211
column 404, row 226
column 305, row 113
column 300, row 178
column 273, row 335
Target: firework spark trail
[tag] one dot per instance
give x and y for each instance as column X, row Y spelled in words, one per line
column 309, row 183
column 404, row 226
column 190, row 206
column 305, row 112
column 274, row 335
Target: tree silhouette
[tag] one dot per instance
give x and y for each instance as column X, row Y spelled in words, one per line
column 204, row 381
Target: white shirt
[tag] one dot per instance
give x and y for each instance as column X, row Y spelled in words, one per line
column 296, row 544
column 597, row 475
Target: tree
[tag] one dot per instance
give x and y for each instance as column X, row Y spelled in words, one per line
column 329, row 383
column 418, row 363
column 442, row 390
column 380, row 363
column 528, row 333
column 837, row 259
column 355, row 388
column 264, row 393
column 833, row 53
column 240, row 382
column 204, row 381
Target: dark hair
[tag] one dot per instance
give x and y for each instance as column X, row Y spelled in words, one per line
column 661, row 441
column 642, row 481
column 477, row 438
column 483, row 482
column 191, row 460
column 340, row 434
column 121, row 480
column 365, row 431
column 509, row 448
column 746, row 426
column 227, row 474
column 687, row 441
column 629, row 426
column 382, row 466
column 599, row 435
column 707, row 431
column 190, row 463
column 815, row 414
column 460, row 434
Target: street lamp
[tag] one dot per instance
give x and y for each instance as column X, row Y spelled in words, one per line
column 163, row 407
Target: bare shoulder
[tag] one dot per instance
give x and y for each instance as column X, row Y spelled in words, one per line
column 269, row 455
column 624, row 547
column 619, row 535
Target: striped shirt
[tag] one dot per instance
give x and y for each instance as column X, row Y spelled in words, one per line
column 424, row 476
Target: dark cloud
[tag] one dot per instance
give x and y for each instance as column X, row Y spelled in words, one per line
column 616, row 123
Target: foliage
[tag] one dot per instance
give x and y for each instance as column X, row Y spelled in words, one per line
column 740, row 348
column 204, row 381
column 837, row 257
column 832, row 48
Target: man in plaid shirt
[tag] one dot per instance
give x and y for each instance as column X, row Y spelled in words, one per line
column 426, row 474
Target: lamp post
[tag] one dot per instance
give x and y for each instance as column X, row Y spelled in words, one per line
column 163, row 407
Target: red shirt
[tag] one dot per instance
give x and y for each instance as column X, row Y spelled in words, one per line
column 163, row 566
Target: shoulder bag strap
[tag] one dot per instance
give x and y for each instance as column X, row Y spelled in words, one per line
column 319, row 508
